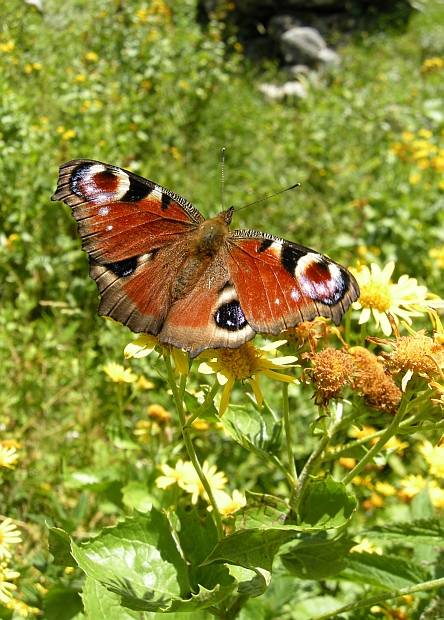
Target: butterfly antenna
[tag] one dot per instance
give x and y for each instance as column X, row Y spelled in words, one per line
column 223, row 179
column 267, row 197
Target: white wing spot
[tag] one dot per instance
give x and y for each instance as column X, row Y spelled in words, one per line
column 109, row 227
column 103, row 211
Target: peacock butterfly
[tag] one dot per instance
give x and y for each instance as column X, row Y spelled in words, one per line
column 161, row 268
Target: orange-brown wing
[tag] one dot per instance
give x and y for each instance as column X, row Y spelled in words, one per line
column 279, row 284
column 136, row 234
column 121, row 215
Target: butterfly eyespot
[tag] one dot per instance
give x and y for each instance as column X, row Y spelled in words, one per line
column 99, row 183
column 124, row 268
column 230, row 317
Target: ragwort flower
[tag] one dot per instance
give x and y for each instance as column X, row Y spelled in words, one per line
column 9, row 535
column 6, row 588
column 434, row 456
column 119, row 374
column 381, row 297
column 247, row 363
column 8, row 457
column 146, row 344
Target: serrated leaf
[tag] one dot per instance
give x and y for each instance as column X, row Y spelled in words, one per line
column 383, row 571
column 139, row 560
column 317, row 558
column 198, row 537
column 326, row 504
column 426, row 531
column 101, row 603
column 60, row 547
column 256, row 429
column 263, row 510
column 253, row 549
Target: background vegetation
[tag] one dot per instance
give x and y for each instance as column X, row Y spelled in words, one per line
column 143, row 85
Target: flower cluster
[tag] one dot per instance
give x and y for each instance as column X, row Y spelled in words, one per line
column 185, row 476
column 424, row 150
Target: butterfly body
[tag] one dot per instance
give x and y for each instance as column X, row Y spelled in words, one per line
column 161, row 268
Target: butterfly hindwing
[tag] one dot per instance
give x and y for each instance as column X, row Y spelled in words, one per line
column 280, row 284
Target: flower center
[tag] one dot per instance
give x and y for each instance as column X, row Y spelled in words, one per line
column 376, row 295
column 241, row 362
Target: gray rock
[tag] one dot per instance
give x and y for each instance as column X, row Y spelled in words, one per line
column 301, row 46
column 277, row 93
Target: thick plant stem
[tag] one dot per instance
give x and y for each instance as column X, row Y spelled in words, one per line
column 289, row 447
column 190, row 447
column 389, row 432
column 308, row 468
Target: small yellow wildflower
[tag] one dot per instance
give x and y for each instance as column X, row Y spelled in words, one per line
column 411, row 486
column 144, row 384
column 245, row 364
column 434, row 456
column 347, row 462
column 69, row 134
column 228, row 504
column 143, row 430
column 8, row 457
column 380, row 297
column 192, row 484
column 80, row 77
column 385, row 488
column 438, row 254
column 436, row 495
column 119, row 374
column 366, row 546
column 7, row 47
column 175, row 475
column 9, row 535
column 22, row 608
column 91, row 56
column 146, row 344
column 6, row 587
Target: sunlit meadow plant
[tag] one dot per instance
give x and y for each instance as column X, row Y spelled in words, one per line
column 208, row 535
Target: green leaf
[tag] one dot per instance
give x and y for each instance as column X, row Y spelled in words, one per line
column 135, row 495
column 317, row 558
column 263, row 510
column 383, row 571
column 140, row 561
column 256, row 429
column 426, row 531
column 198, row 537
column 253, row 549
column 101, row 603
column 326, row 504
column 62, row 603
column 60, row 547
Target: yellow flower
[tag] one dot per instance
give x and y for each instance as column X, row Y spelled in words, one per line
column 7, row 47
column 92, row 56
column 411, row 486
column 385, row 488
column 438, row 254
column 8, row 457
column 228, row 504
column 119, row 374
column 9, row 535
column 192, row 484
column 21, row 608
column 175, row 475
column 146, row 344
column 434, row 456
column 245, row 364
column 436, row 495
column 5, row 587
column 143, row 430
column 144, row 384
column 366, row 546
column 380, row 297
column 69, row 134
column 186, row 477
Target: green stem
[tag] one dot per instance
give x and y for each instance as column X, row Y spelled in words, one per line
column 379, row 598
column 207, row 402
column 386, row 435
column 236, row 606
column 308, row 468
column 288, row 442
column 190, row 447
column 347, row 327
